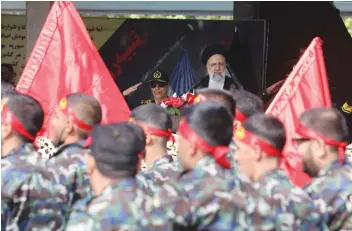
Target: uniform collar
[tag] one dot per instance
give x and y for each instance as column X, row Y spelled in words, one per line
column 333, row 165
column 21, row 149
column 274, row 174
column 63, row 147
column 128, row 183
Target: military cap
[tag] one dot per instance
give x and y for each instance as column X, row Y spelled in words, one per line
column 159, row 76
column 215, row 49
column 116, row 146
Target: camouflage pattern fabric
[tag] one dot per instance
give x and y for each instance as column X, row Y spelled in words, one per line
column 331, row 191
column 200, row 200
column 25, row 154
column 348, row 155
column 110, row 212
column 33, row 199
column 153, row 176
column 282, row 205
column 69, row 160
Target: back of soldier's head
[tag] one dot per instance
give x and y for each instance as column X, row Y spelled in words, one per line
column 221, row 96
column 268, row 128
column 328, row 122
column 115, row 148
column 153, row 115
column 212, row 121
column 247, row 102
column 27, row 110
column 86, row 108
column 7, row 88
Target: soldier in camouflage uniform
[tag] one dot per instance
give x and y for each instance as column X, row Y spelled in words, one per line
column 31, row 199
column 259, row 142
column 74, row 118
column 22, row 118
column 322, row 136
column 160, row 166
column 199, row 199
column 118, row 203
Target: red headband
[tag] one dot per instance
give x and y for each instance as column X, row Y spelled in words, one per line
column 8, row 117
column 242, row 135
column 308, row 133
column 66, row 109
column 240, row 116
column 155, row 131
column 218, row 152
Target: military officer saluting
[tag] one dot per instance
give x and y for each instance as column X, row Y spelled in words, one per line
column 159, row 85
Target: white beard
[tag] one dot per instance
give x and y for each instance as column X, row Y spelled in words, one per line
column 217, row 77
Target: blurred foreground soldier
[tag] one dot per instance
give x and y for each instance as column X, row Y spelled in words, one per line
column 258, row 151
column 214, row 58
column 322, row 135
column 247, row 104
column 31, row 199
column 74, row 119
column 156, row 124
column 112, row 166
column 196, row 201
column 21, row 119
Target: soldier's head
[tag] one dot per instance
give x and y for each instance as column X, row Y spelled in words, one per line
column 7, row 73
column 114, row 153
column 7, row 88
column 205, row 129
column 22, row 118
column 259, row 142
column 74, row 118
column 321, row 136
column 155, row 122
column 159, row 85
column 247, row 104
column 220, row 96
column 214, row 57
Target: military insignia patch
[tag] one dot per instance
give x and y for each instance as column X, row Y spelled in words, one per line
column 240, row 133
column 63, row 104
column 157, row 75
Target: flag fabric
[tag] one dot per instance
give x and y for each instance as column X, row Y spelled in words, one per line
column 305, row 88
column 182, row 76
column 64, row 60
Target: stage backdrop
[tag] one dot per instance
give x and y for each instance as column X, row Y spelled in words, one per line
column 133, row 48
column 13, row 37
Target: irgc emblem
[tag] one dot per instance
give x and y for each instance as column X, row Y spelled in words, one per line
column 63, row 104
column 157, row 75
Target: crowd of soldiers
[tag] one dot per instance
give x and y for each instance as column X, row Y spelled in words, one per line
column 226, row 175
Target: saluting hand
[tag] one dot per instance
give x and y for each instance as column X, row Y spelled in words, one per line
column 129, row 90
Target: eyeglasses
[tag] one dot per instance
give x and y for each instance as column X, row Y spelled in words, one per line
column 214, row 65
column 160, row 84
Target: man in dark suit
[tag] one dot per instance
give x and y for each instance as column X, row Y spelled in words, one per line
column 214, row 58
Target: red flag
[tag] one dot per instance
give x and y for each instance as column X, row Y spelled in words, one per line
column 64, row 60
column 305, row 88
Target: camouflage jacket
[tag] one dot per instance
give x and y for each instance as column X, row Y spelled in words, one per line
column 153, row 176
column 121, row 206
column 331, row 190
column 200, row 200
column 69, row 160
column 33, row 199
column 23, row 155
column 283, row 206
